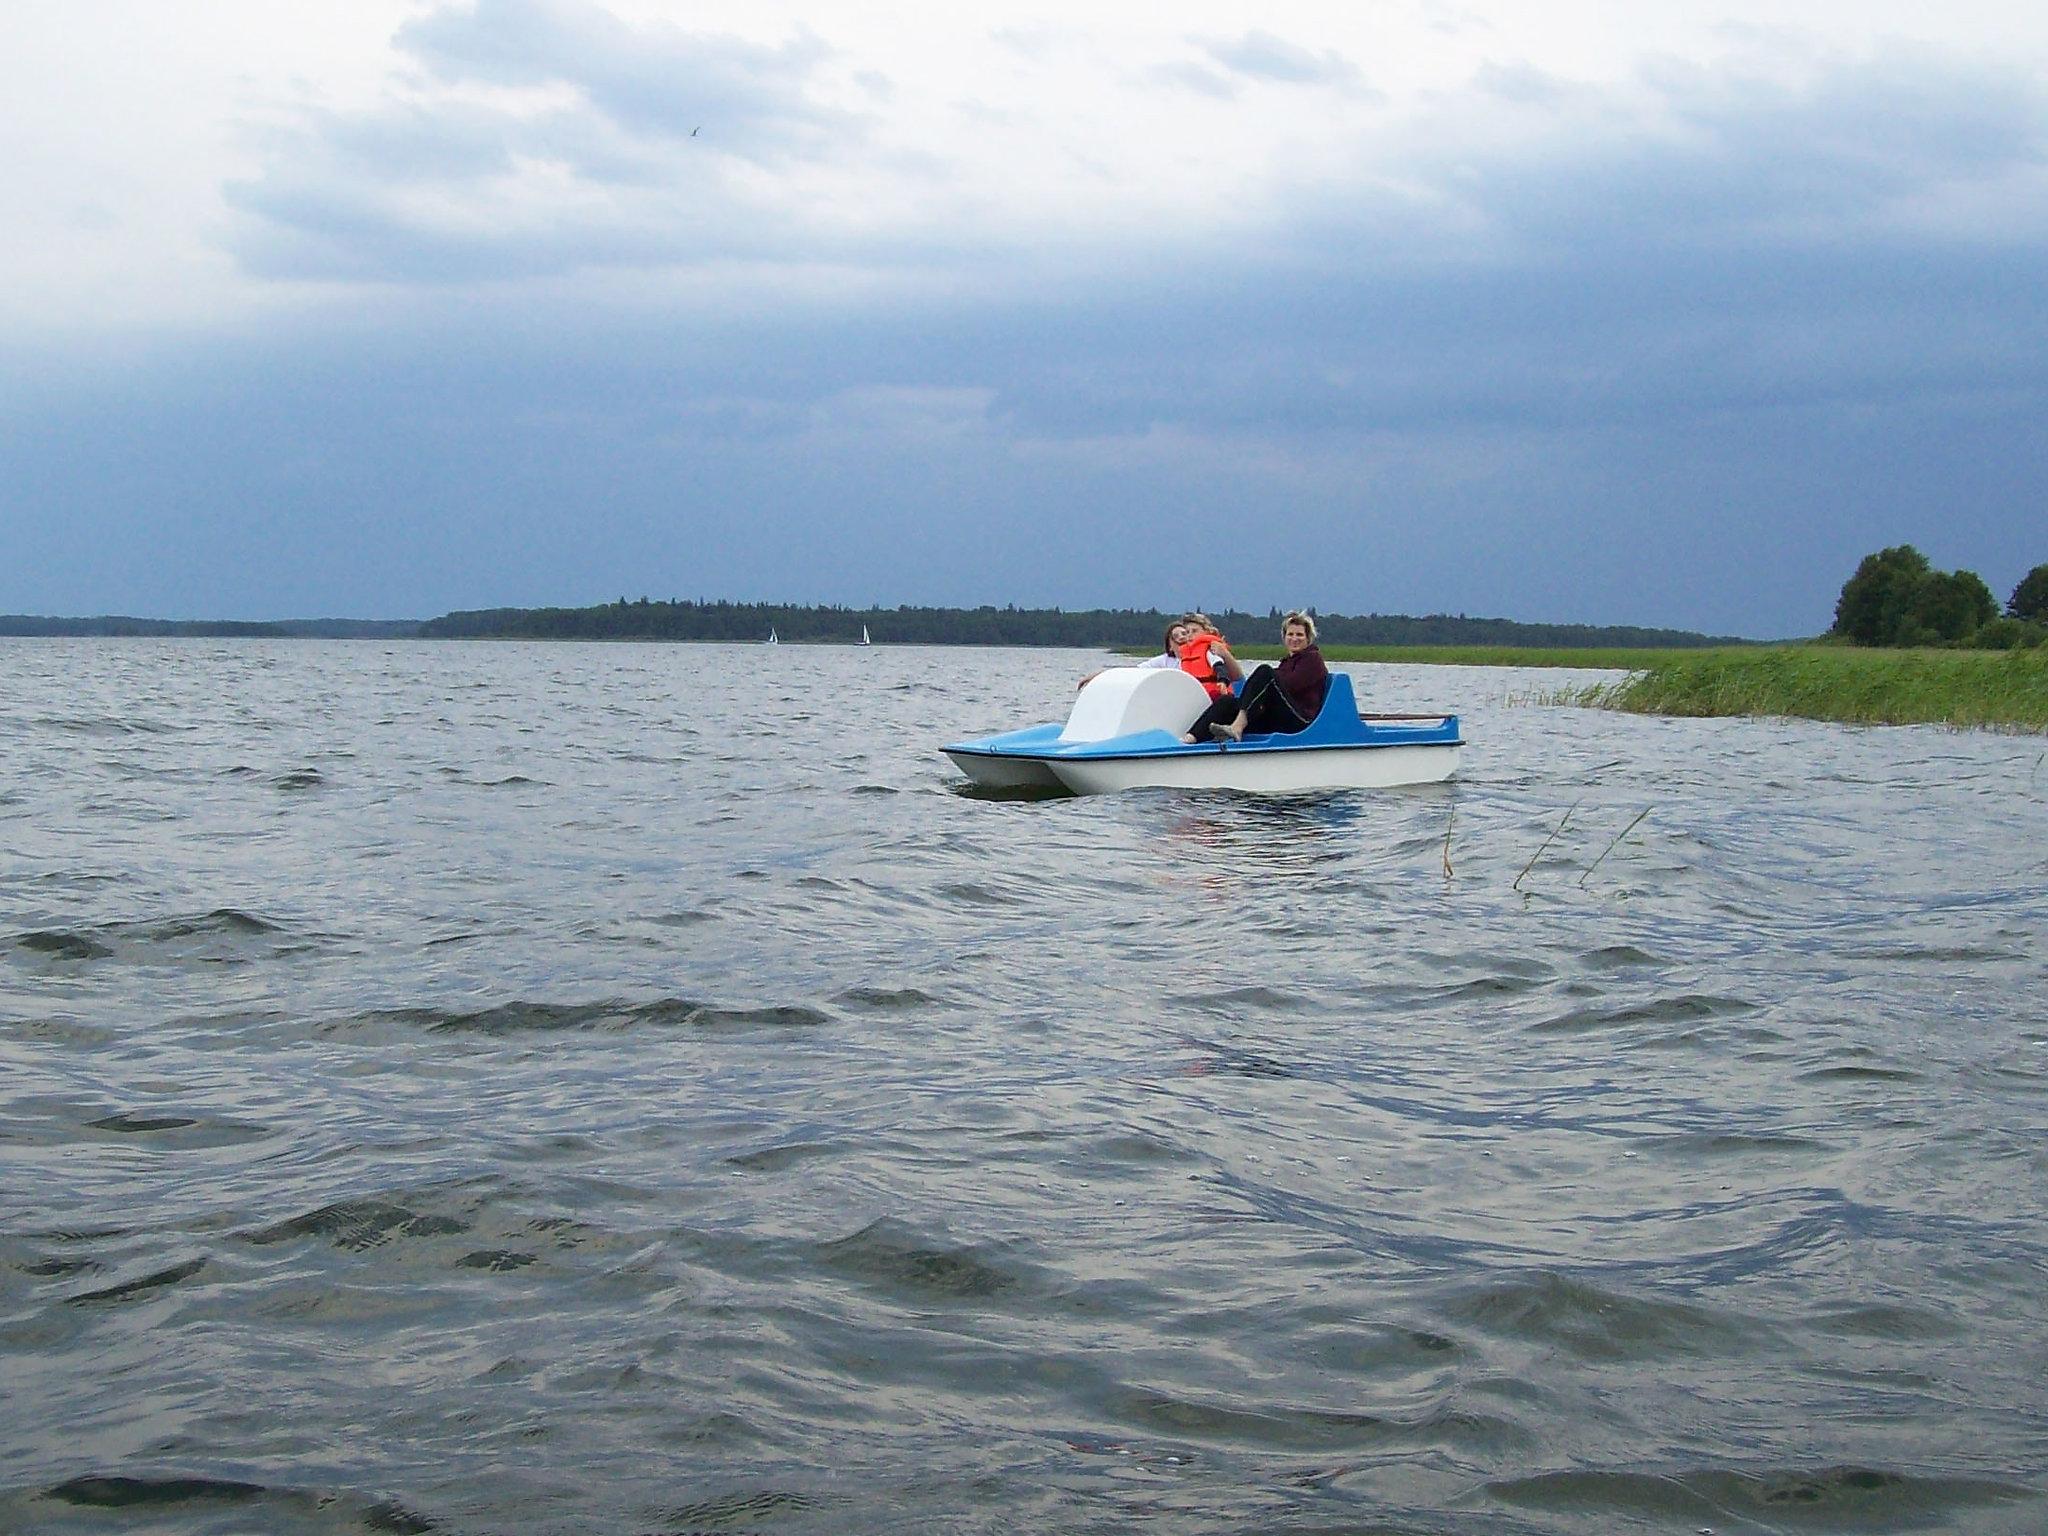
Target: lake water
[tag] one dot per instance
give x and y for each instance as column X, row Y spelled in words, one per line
column 524, row 1088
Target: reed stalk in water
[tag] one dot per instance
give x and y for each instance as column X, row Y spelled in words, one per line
column 1624, row 832
column 1562, row 824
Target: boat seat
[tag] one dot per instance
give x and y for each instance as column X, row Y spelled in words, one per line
column 1337, row 720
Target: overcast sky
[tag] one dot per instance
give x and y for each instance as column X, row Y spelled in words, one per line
column 1592, row 311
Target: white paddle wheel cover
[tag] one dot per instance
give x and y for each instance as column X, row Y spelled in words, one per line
column 1125, row 700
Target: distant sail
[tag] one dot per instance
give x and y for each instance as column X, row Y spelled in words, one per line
column 863, row 634
column 771, row 640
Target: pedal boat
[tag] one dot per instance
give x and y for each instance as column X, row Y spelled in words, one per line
column 1125, row 730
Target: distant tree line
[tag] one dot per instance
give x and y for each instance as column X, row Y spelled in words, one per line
column 1895, row 598
column 114, row 624
column 216, row 629
column 645, row 619
column 1107, row 627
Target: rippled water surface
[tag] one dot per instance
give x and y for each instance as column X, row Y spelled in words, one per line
column 479, row 1088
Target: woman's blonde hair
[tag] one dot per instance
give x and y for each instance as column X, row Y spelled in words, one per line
column 1307, row 623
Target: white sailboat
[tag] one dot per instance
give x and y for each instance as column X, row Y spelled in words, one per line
column 771, row 640
column 863, row 634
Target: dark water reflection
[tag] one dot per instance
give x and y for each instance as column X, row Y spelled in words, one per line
column 485, row 1088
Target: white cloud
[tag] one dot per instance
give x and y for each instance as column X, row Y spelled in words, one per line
column 173, row 163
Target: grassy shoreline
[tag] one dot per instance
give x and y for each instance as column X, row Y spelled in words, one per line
column 2005, row 690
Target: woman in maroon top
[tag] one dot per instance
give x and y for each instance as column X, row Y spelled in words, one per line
column 1276, row 700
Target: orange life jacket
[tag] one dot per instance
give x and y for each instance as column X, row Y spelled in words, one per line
column 1194, row 660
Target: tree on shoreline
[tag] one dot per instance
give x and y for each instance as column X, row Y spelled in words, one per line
column 2030, row 598
column 1896, row 598
column 1873, row 601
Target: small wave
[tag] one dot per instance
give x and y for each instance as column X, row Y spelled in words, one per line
column 688, row 919
column 509, row 781
column 1735, row 1144
column 97, row 726
column 1859, row 1075
column 179, row 1132
column 356, row 1226
column 431, row 1229
column 1252, row 1000
column 1592, row 1322
column 1297, row 1429
column 886, row 999
column 1668, row 1010
column 135, row 1124
column 60, row 945
column 135, row 1492
column 221, row 920
column 973, row 893
column 497, row 1260
column 226, row 935
column 1848, row 1498
column 1136, row 1149
column 1965, row 954
column 740, row 1511
column 1231, row 1061
column 887, row 1256
column 62, row 1032
column 1482, row 988
column 615, row 1017
column 299, row 779
column 1887, row 1321
column 786, row 1155
column 141, row 1494
column 1615, row 957
column 60, row 1269
column 143, row 1285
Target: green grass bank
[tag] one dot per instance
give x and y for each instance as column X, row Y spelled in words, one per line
column 2004, row 689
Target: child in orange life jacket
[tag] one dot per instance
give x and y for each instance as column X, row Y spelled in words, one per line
column 1205, row 655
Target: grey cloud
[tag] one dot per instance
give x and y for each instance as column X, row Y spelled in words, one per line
column 1750, row 266
column 451, row 143
column 340, row 201
column 1525, row 85
column 650, row 80
column 1735, row 161
column 1890, row 127
column 1199, row 78
column 643, row 151
column 1263, row 57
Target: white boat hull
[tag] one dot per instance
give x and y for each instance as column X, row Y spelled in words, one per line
column 1268, row 773
column 994, row 772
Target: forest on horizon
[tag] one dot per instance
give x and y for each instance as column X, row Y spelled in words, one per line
column 651, row 620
